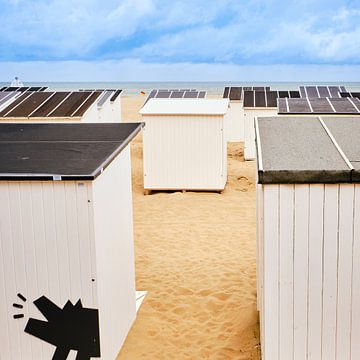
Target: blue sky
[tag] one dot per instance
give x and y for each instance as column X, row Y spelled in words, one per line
column 168, row 36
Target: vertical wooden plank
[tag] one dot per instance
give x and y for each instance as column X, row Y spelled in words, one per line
column 355, row 306
column 330, row 255
column 73, row 240
column 346, row 211
column 31, row 257
column 301, row 251
column 84, row 243
column 20, row 262
column 259, row 240
column 62, row 241
column 9, row 332
column 315, row 271
column 51, row 242
column 40, row 248
column 286, row 294
column 271, row 268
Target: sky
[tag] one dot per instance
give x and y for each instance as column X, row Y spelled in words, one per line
column 162, row 40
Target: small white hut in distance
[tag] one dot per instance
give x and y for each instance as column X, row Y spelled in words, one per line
column 234, row 127
column 308, row 217
column 62, row 106
column 66, row 236
column 184, row 144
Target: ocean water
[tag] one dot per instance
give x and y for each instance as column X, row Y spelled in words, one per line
column 213, row 88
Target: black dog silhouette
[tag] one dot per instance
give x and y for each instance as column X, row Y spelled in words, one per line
column 71, row 328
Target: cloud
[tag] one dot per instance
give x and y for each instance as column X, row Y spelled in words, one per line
column 197, row 31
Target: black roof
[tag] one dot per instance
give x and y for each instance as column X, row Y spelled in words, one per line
column 308, row 150
column 61, row 151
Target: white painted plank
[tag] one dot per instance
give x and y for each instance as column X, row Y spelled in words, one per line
column 259, row 241
column 315, row 271
column 20, row 263
column 31, row 258
column 271, row 280
column 51, row 242
column 301, row 246
column 330, row 254
column 343, row 329
column 286, row 293
column 73, row 241
column 62, row 242
column 9, row 332
column 355, row 308
column 84, row 245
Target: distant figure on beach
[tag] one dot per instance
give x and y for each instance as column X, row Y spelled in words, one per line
column 16, row 82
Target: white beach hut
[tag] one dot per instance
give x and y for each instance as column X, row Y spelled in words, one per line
column 308, row 218
column 62, row 106
column 66, row 235
column 184, row 144
column 234, row 127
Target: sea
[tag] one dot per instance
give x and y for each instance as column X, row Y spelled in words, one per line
column 212, row 88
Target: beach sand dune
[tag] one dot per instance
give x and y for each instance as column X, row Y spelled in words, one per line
column 196, row 257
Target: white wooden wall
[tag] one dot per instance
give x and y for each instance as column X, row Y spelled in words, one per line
column 46, row 248
column 249, row 129
column 309, row 271
column 115, row 262
column 234, row 122
column 184, row 152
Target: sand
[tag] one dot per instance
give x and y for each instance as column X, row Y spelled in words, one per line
column 196, row 257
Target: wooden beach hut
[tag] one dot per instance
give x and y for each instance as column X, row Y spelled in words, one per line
column 260, row 103
column 308, row 222
column 184, row 144
column 234, row 127
column 66, row 254
column 63, row 106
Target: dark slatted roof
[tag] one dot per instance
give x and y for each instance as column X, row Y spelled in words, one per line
column 50, row 104
column 266, row 99
column 237, row 92
column 175, row 94
column 61, row 151
column 306, row 150
column 332, row 106
column 321, row 91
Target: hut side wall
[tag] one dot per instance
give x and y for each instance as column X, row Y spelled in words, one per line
column 249, row 129
column 309, row 271
column 234, row 122
column 184, row 152
column 115, row 263
column 46, row 249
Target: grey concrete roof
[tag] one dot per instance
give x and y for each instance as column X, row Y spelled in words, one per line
column 308, row 149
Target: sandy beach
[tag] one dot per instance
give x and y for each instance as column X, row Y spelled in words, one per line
column 196, row 257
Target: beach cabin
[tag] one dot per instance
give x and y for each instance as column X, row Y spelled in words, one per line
column 308, row 222
column 63, row 106
column 67, row 252
column 259, row 103
column 235, row 119
column 184, row 144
